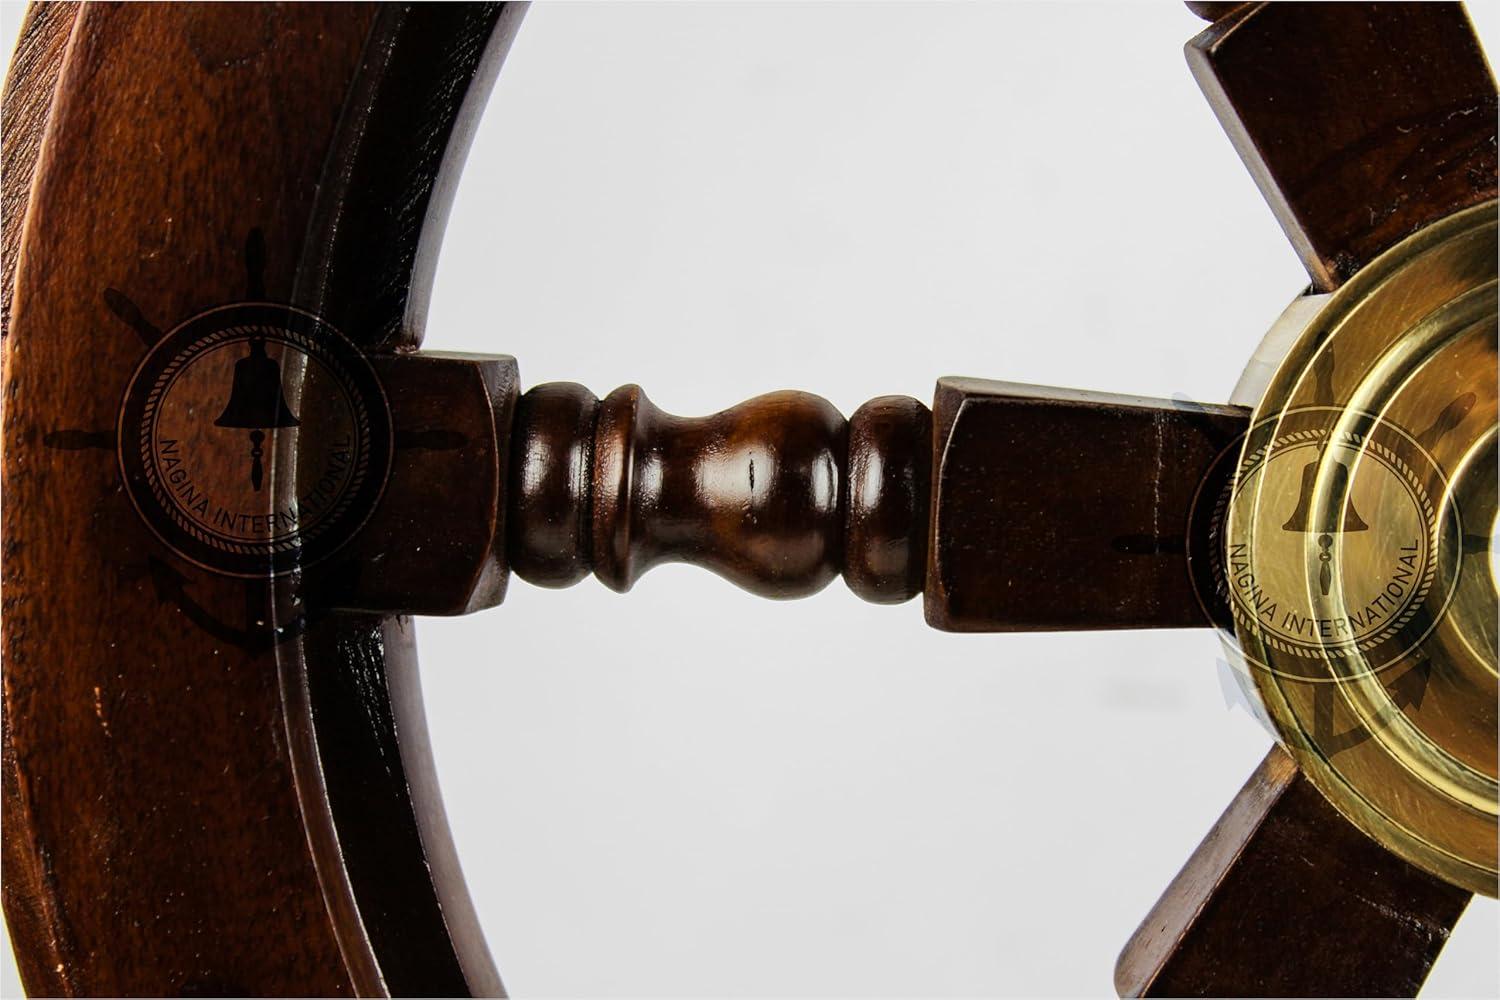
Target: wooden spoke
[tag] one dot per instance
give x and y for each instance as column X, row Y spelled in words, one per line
column 1059, row 509
column 1285, row 897
column 1047, row 509
column 215, row 772
column 1359, row 122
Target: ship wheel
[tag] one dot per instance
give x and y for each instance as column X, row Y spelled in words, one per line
column 230, row 477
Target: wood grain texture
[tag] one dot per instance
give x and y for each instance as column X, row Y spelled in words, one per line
column 27, row 107
column 1360, row 123
column 1062, row 509
column 192, row 803
column 1285, row 898
column 123, row 717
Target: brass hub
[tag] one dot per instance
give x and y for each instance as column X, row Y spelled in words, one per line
column 1359, row 550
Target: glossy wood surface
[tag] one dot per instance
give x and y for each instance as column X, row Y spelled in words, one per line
column 1050, row 508
column 194, row 804
column 889, row 472
column 551, row 533
column 760, row 493
column 197, row 802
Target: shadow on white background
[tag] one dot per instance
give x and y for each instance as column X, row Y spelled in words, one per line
column 691, row 791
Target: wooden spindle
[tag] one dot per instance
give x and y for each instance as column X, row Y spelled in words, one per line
column 889, row 486
column 778, row 494
column 548, row 528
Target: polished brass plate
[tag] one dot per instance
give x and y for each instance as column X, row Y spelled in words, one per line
column 1359, row 551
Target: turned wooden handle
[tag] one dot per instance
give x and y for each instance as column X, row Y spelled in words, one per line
column 1007, row 506
column 778, row 494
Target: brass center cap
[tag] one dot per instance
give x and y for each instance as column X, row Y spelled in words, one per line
column 1326, row 580
column 1358, row 550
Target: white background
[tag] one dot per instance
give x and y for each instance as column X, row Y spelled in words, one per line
column 688, row 790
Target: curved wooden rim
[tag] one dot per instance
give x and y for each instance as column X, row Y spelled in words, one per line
column 195, row 805
column 192, row 806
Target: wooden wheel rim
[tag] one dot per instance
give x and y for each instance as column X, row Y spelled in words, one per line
column 354, row 242
column 342, row 131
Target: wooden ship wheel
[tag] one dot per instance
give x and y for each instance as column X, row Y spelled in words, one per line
column 231, row 477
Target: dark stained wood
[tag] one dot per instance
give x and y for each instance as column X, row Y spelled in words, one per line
column 27, row 106
column 368, row 263
column 1360, row 122
column 1284, row 898
column 192, row 803
column 378, row 222
column 550, row 524
column 753, row 493
column 777, row 494
column 1055, row 508
column 435, row 542
column 885, row 521
column 122, row 716
column 1213, row 11
column 1050, row 508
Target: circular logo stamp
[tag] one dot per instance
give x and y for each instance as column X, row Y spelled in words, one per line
column 1344, row 527
column 254, row 439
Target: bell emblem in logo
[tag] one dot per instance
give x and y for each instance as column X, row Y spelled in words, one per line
column 256, row 403
column 1327, row 523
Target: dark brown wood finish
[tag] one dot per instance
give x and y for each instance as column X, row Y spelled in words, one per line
column 1063, row 509
column 28, row 106
column 668, row 488
column 761, row 493
column 551, row 535
column 204, row 790
column 435, row 542
column 1360, row 122
column 1213, row 11
column 222, row 785
column 886, row 501
column 367, row 265
column 1285, row 897
column 103, row 677
column 1051, row 508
